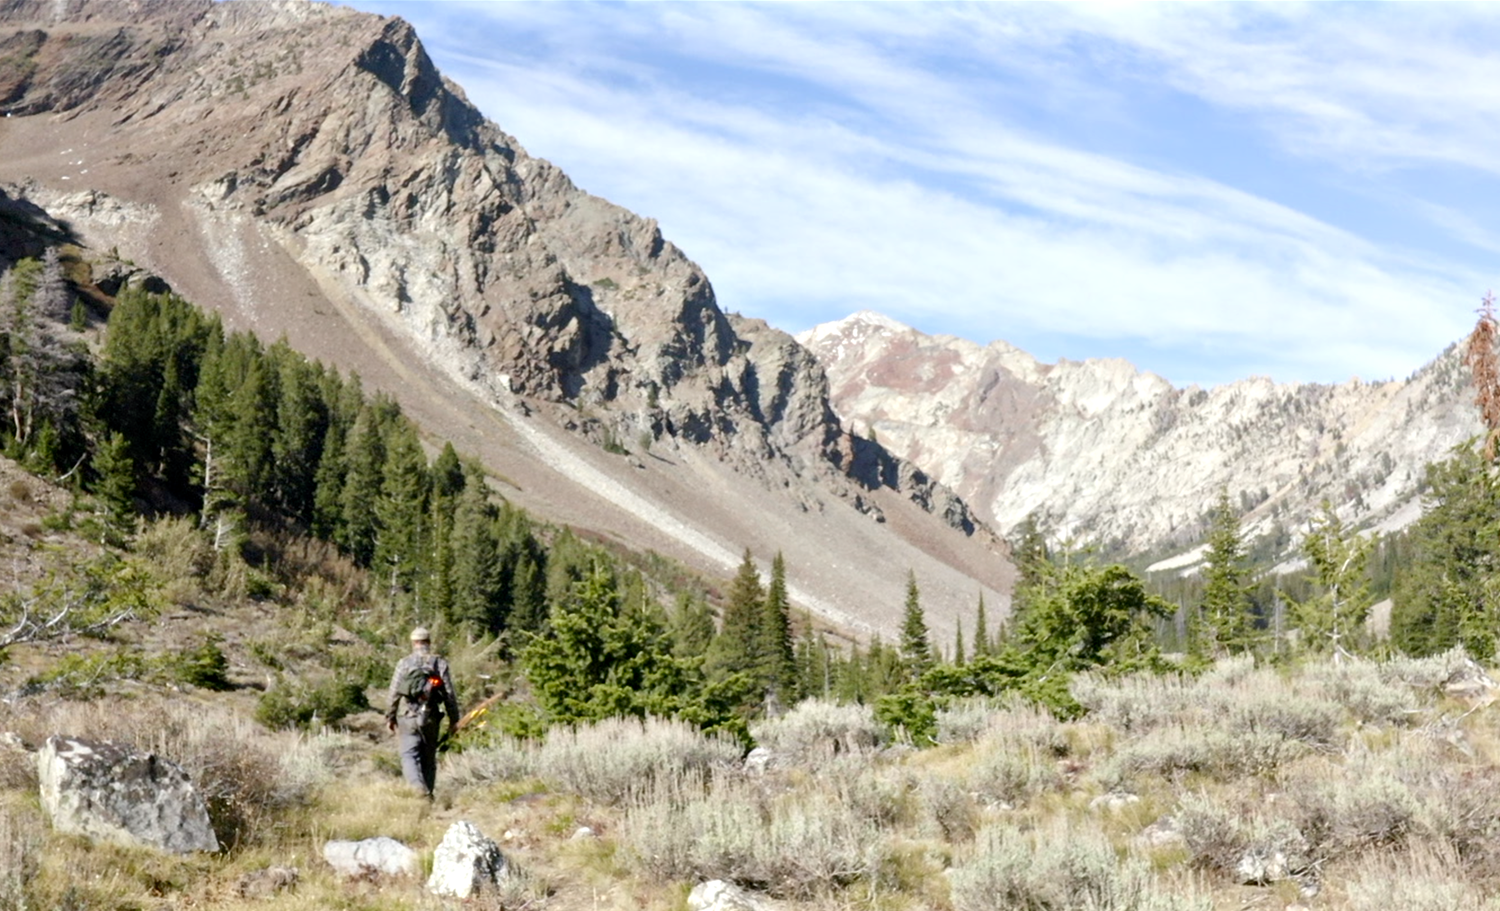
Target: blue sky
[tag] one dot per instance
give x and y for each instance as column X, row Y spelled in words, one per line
column 1208, row 190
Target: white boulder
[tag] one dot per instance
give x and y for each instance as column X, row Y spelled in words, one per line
column 356, row 859
column 466, row 863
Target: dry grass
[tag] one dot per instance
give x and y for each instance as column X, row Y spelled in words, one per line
column 1359, row 780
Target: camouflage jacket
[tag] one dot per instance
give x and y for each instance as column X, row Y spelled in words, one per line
column 399, row 707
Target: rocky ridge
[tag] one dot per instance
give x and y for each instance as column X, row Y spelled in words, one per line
column 1108, row 454
column 305, row 170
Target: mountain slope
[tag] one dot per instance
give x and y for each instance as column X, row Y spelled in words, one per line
column 306, row 171
column 1113, row 455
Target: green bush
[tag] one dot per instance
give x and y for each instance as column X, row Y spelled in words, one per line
column 291, row 704
column 204, row 667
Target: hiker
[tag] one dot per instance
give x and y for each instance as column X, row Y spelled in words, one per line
column 421, row 694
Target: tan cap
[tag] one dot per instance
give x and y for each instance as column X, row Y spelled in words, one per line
column 420, row 634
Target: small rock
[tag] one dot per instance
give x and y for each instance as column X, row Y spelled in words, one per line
column 1114, row 801
column 266, row 883
column 358, row 859
column 759, row 760
column 10, row 740
column 1262, row 868
column 466, row 863
column 583, row 832
column 1162, row 834
column 718, row 895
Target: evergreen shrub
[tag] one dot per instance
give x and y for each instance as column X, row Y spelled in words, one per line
column 290, row 704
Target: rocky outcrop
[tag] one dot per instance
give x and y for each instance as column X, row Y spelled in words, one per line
column 1105, row 453
column 467, row 863
column 107, row 791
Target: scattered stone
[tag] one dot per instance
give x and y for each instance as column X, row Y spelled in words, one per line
column 104, row 790
column 11, row 741
column 1114, row 801
column 718, row 895
column 760, row 760
column 1258, row 867
column 371, row 856
column 583, row 832
column 466, row 863
column 266, row 883
column 1469, row 683
column 1163, row 833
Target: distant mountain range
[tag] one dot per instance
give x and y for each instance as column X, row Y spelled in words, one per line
column 1106, row 454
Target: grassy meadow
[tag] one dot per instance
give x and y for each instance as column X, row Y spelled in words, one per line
column 1349, row 786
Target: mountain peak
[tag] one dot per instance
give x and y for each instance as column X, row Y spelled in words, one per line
column 306, row 171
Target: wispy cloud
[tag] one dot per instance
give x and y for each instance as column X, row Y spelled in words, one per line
column 1010, row 171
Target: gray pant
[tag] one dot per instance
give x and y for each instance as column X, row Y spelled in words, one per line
column 418, row 747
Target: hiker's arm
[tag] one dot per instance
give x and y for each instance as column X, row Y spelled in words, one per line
column 450, row 698
column 393, row 698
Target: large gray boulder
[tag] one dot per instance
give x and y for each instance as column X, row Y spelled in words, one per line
column 466, row 863
column 108, row 791
column 385, row 855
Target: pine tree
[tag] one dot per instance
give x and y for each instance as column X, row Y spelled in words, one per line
column 1333, row 618
column 1087, row 617
column 602, row 658
column 692, row 627
column 401, row 507
column 477, row 585
column 1032, row 558
column 43, row 373
column 815, row 663
column 1226, row 624
column 780, row 670
column 116, row 488
column 301, row 424
column 364, row 457
column 958, row 645
column 345, row 401
column 982, row 645
column 739, row 647
column 916, row 649
column 1448, row 596
column 527, row 568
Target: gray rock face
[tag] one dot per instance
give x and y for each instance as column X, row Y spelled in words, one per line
column 371, row 855
column 467, row 863
column 718, row 895
column 107, row 791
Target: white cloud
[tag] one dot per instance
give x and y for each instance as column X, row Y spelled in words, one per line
column 899, row 186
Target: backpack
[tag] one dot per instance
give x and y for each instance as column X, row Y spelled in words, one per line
column 422, row 685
